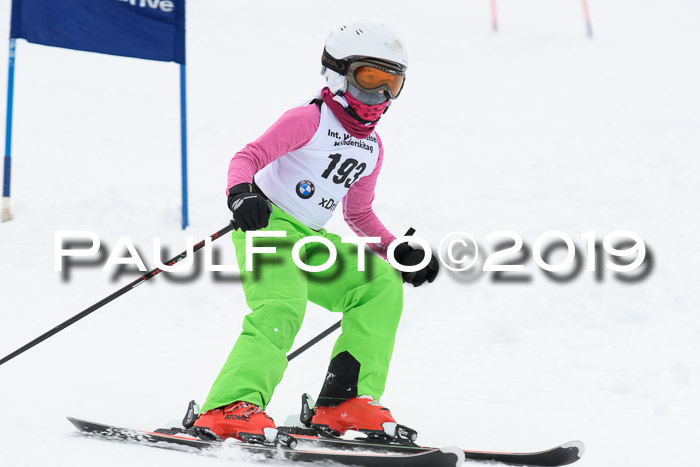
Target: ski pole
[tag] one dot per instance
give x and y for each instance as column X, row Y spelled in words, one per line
column 313, row 341
column 116, row 294
column 331, row 329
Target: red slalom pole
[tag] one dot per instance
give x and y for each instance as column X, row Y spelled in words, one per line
column 587, row 17
column 494, row 15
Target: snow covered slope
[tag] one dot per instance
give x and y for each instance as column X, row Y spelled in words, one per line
column 531, row 129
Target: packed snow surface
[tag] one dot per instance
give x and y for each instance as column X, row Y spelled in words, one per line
column 530, row 129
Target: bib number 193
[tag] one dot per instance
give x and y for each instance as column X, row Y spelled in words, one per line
column 344, row 171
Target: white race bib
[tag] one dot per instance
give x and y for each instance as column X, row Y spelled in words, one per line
column 310, row 182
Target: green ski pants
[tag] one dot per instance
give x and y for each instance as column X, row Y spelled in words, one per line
column 277, row 291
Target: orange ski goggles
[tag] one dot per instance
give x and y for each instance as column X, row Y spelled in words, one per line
column 375, row 76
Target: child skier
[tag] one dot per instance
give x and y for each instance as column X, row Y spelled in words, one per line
column 290, row 179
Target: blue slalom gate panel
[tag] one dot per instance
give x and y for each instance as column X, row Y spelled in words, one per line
column 149, row 29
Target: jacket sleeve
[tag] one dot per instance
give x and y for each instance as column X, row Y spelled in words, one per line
column 293, row 130
column 358, row 212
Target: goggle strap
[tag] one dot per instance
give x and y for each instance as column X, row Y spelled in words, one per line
column 339, row 66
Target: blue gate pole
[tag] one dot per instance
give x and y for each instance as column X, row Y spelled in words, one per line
column 183, row 131
column 6, row 215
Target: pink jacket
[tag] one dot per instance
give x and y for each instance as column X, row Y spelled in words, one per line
column 293, row 130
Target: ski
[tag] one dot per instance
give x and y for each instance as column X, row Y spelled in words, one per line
column 448, row 457
column 404, row 441
column 564, row 454
column 302, row 444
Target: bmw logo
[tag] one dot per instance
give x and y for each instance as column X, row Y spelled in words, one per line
column 305, row 189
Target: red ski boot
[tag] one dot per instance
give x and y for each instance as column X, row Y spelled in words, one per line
column 240, row 420
column 360, row 414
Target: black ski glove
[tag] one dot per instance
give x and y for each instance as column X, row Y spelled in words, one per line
column 251, row 211
column 409, row 256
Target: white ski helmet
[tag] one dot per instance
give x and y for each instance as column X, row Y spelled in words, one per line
column 369, row 42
